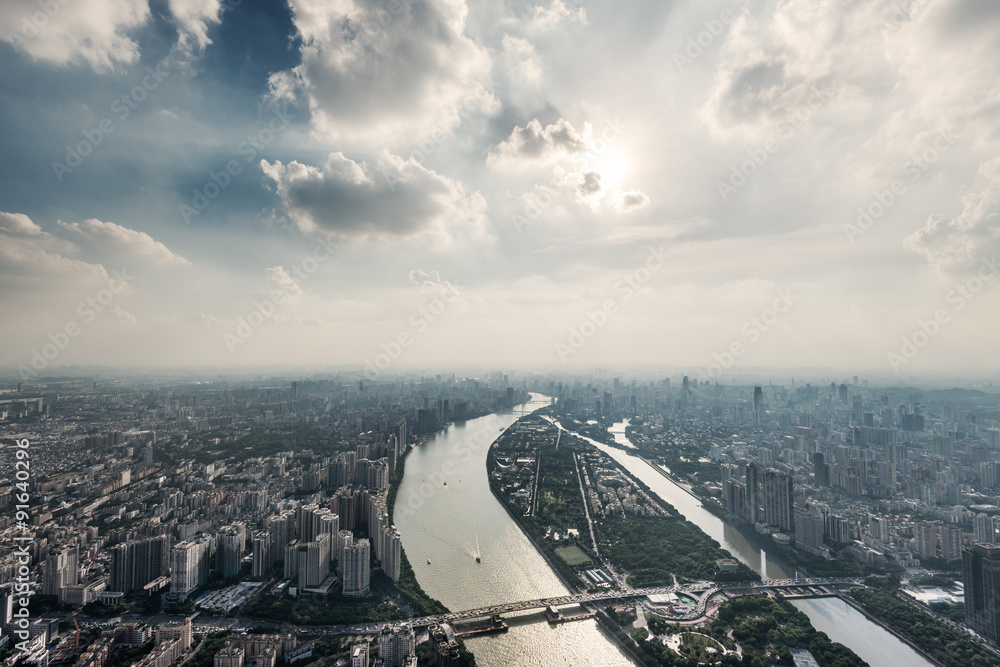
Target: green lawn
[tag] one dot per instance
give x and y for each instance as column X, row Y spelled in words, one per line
column 574, row 555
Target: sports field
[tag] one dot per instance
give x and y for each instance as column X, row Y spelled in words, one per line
column 573, row 555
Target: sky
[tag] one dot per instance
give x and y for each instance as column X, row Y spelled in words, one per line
column 715, row 185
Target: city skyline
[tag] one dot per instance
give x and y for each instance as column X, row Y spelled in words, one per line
column 350, row 513
column 238, row 184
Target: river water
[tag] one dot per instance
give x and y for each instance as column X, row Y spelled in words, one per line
column 448, row 524
column 442, row 523
column 842, row 623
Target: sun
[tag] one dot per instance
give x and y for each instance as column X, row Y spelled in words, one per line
column 611, row 163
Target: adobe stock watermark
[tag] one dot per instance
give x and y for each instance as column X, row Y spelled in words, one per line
column 625, row 288
column 698, row 43
column 419, row 321
column 752, row 330
column 32, row 24
column 264, row 309
column 121, row 107
column 914, row 169
column 24, row 545
column 88, row 310
column 927, row 330
column 740, row 174
column 248, row 149
column 537, row 205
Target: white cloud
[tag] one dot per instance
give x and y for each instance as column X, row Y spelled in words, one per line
column 281, row 280
column 194, row 19
column 534, row 144
column 33, row 262
column 431, row 283
column 547, row 17
column 130, row 243
column 590, row 171
column 370, row 73
column 96, row 33
column 391, row 199
column 966, row 239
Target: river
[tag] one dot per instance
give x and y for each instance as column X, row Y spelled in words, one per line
column 444, row 523
column 844, row 624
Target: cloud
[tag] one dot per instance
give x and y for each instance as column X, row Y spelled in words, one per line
column 547, row 17
column 965, row 239
column 368, row 72
column 128, row 242
column 96, row 33
column 20, row 226
column 590, row 171
column 534, row 144
column 33, row 262
column 431, row 283
column 629, row 200
column 390, row 199
column 589, row 185
column 280, row 280
column 194, row 19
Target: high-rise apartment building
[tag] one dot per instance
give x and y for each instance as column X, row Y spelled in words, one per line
column 314, row 562
column 228, row 552
column 355, row 565
column 396, row 645
column 779, row 509
column 60, row 570
column 136, row 563
column 188, row 566
column 981, row 576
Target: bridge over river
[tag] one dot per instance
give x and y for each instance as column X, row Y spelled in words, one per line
column 700, row 592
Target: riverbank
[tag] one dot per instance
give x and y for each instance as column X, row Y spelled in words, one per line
column 686, row 537
column 518, row 519
column 681, row 485
column 408, row 586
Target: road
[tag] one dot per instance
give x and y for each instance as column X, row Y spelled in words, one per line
column 701, row 592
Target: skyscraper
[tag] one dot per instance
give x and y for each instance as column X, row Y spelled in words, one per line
column 391, row 553
column 135, row 564
column 188, row 567
column 396, row 644
column 281, row 532
column 263, row 558
column 821, row 471
column 314, row 561
column 758, row 399
column 228, row 552
column 60, row 570
column 355, row 566
column 392, row 454
column 984, row 529
column 779, row 511
column 981, row 576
